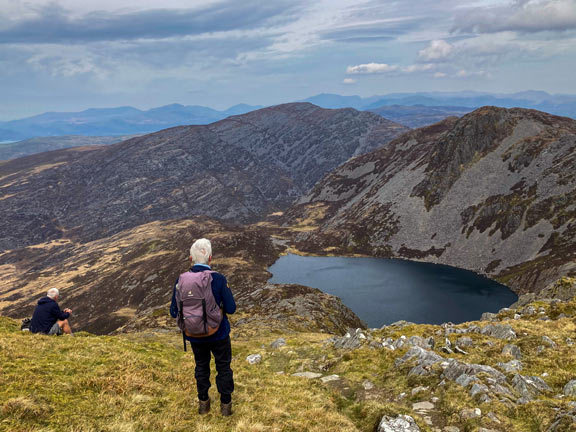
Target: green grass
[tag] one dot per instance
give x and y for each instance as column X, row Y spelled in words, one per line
column 145, row 382
column 129, row 383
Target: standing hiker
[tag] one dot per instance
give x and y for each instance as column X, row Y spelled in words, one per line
column 200, row 301
column 48, row 318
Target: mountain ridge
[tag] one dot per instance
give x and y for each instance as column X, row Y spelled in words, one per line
column 257, row 163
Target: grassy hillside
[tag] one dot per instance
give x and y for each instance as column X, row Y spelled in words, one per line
column 144, row 381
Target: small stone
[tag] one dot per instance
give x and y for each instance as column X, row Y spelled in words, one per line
column 512, row 350
column 451, row 429
column 280, row 342
column 528, row 310
column 548, row 342
column 402, row 423
column 254, row 358
column 465, row 380
column 464, row 341
column 435, row 399
column 493, row 417
column 488, row 316
column 569, row 341
column 570, row 388
column 459, row 350
column 308, row 375
column 511, row 367
column 418, row 389
column 470, row 413
column 422, row 406
column 517, row 316
column 368, row 385
column 329, row 378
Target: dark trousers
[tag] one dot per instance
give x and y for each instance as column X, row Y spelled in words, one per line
column 222, row 351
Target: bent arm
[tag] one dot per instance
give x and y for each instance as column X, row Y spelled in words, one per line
column 59, row 314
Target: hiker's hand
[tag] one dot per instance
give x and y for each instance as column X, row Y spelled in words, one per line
column 68, row 310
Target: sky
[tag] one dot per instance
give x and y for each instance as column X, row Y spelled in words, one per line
column 69, row 55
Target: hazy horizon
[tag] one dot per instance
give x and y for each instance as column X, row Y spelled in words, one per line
column 67, row 56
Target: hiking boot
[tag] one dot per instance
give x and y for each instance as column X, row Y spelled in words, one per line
column 203, row 406
column 226, row 409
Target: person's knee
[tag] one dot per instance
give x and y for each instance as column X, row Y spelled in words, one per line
column 63, row 323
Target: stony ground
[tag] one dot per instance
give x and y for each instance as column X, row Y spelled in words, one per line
column 514, row 371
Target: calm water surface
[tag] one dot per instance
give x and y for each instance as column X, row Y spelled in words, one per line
column 381, row 291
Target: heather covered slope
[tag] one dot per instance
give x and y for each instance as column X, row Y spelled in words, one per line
column 493, row 192
column 237, row 169
column 127, row 279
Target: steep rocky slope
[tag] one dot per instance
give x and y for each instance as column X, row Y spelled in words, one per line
column 494, row 192
column 237, row 169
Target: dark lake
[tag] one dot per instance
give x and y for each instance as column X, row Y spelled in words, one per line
column 381, row 291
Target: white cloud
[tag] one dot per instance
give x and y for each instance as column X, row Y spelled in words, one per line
column 349, row 81
column 382, row 68
column 440, row 75
column 371, row 68
column 438, row 50
column 417, row 68
column 527, row 16
column 462, row 73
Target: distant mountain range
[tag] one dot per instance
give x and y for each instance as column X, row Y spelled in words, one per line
column 419, row 115
column 409, row 109
column 114, row 121
column 564, row 105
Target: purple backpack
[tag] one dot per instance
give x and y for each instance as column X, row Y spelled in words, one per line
column 198, row 313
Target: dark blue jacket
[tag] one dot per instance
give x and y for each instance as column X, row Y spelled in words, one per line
column 45, row 315
column 223, row 297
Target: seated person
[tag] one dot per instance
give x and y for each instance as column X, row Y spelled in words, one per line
column 48, row 318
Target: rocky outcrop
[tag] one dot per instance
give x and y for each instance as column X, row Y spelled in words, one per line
column 492, row 192
column 238, row 169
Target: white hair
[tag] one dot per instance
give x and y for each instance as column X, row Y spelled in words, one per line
column 53, row 292
column 201, row 251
